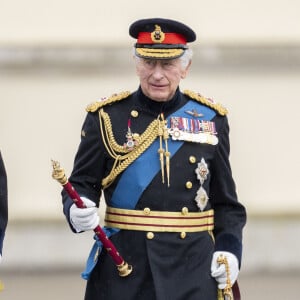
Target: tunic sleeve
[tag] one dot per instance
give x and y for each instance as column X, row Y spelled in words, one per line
column 88, row 164
column 230, row 215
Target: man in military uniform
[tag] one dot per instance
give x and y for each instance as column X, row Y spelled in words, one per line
column 3, row 203
column 161, row 158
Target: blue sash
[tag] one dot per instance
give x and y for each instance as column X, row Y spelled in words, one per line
column 141, row 172
column 145, row 167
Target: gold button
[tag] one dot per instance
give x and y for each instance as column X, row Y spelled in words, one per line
column 150, row 235
column 188, row 185
column 134, row 113
column 183, row 235
column 185, row 211
column 192, row 159
column 147, row 211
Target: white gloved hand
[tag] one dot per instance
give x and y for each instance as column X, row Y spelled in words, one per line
column 83, row 219
column 218, row 270
column 0, row 258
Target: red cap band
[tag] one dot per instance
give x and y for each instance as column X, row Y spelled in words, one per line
column 170, row 38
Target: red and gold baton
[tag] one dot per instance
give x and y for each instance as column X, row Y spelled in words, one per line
column 59, row 174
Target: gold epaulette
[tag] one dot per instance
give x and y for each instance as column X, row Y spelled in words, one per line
column 219, row 108
column 113, row 98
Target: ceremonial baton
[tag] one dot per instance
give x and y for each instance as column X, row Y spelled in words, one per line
column 230, row 292
column 59, row 174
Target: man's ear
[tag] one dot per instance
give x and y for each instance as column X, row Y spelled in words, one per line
column 186, row 70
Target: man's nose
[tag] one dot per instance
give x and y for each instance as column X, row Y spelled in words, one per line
column 158, row 71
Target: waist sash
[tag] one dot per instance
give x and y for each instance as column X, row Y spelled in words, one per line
column 159, row 221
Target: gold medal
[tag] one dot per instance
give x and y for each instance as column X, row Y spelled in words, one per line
column 131, row 138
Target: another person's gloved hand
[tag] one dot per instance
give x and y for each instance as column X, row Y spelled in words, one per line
column 83, row 219
column 218, row 271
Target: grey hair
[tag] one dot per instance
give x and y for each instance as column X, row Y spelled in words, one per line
column 186, row 57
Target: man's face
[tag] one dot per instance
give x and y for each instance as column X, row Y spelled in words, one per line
column 159, row 78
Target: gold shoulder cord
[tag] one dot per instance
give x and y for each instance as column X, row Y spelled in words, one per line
column 124, row 157
column 216, row 106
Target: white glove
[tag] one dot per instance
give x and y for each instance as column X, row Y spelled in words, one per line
column 0, row 258
column 218, row 270
column 83, row 219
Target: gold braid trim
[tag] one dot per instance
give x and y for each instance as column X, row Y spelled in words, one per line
column 123, row 161
column 110, row 136
column 219, row 108
column 113, row 98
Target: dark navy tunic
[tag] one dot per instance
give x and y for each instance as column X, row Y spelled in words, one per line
column 166, row 267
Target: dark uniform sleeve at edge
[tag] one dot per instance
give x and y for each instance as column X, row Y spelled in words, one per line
column 87, row 170
column 3, row 202
column 230, row 215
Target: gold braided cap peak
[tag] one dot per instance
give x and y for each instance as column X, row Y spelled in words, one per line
column 113, row 98
column 219, row 108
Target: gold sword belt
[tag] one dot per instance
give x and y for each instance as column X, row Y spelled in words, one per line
column 159, row 221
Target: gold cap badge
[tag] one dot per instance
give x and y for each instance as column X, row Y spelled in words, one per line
column 157, row 36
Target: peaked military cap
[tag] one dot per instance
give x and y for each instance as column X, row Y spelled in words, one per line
column 161, row 38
